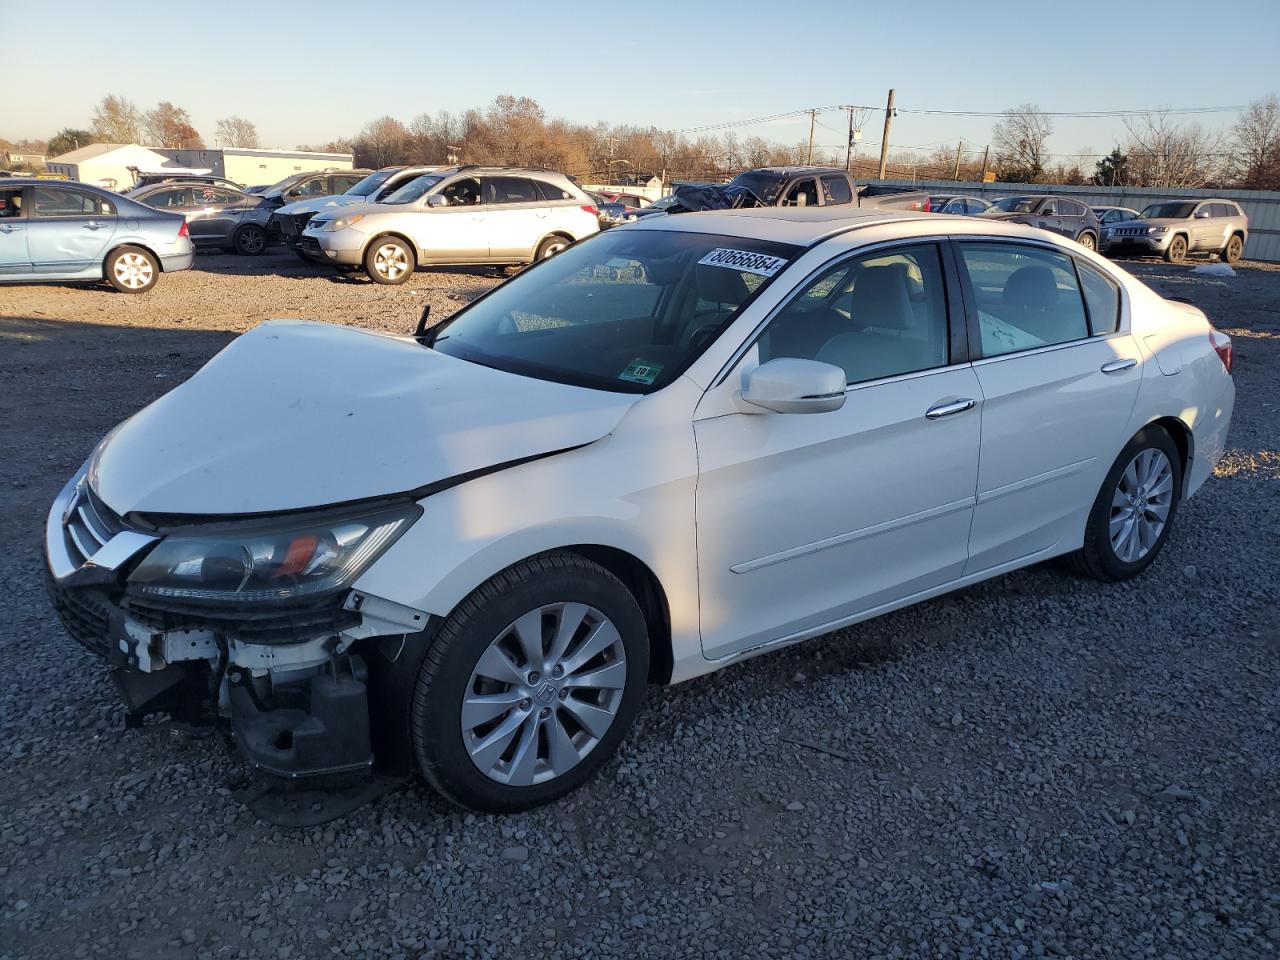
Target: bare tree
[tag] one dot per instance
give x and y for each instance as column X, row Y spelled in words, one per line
column 1021, row 140
column 168, row 126
column 1164, row 153
column 383, row 142
column 116, row 120
column 237, row 132
column 1255, row 154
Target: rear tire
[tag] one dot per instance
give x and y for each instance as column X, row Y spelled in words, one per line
column 550, row 247
column 389, row 261
column 1087, row 240
column 250, row 240
column 131, row 270
column 1176, row 252
column 1234, row 250
column 1122, row 537
column 530, row 685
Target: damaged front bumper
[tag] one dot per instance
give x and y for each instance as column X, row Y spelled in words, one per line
column 291, row 683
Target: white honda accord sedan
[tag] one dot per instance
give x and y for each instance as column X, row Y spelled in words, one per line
column 677, row 444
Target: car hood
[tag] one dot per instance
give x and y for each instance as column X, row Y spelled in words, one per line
column 297, row 414
column 363, row 207
column 316, row 204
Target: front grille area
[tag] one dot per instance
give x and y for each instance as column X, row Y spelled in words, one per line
column 291, row 625
column 89, row 525
column 1129, row 232
column 291, row 227
column 85, row 614
column 311, row 246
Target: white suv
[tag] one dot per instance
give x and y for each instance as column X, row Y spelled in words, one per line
column 462, row 215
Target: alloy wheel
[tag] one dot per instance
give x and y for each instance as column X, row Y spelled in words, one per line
column 552, row 248
column 1140, row 505
column 1086, row 240
column 133, row 270
column 543, row 694
column 253, row 241
column 390, row 261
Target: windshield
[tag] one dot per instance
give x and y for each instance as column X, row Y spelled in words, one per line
column 411, row 191
column 1175, row 210
column 626, row 311
column 765, row 186
column 369, row 184
column 1014, row 205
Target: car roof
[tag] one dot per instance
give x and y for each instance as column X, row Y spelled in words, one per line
column 804, row 226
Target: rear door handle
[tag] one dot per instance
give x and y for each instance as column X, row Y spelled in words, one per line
column 92, row 226
column 7, row 228
column 950, row 408
column 1117, row 366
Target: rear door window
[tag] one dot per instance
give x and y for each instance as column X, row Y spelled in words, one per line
column 835, row 190
column 510, row 190
column 1102, row 297
column 1026, row 297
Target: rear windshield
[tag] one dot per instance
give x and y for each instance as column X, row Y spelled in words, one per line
column 625, row 311
column 362, row 188
column 1015, row 205
column 1175, row 210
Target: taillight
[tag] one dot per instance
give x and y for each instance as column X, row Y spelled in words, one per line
column 928, row 206
column 183, row 231
column 1222, row 347
column 591, row 210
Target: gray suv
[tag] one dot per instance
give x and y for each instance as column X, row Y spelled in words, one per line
column 1174, row 228
column 459, row 215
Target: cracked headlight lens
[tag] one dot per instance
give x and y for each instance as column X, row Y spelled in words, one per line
column 289, row 559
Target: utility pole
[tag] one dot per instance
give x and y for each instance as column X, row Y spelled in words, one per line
column 884, row 141
column 986, row 153
column 848, row 147
column 956, row 174
column 813, row 118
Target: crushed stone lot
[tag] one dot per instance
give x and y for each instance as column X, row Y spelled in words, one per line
column 1034, row 766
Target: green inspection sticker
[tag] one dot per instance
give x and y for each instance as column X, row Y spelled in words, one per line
column 641, row 371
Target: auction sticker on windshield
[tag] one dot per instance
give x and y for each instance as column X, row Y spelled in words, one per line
column 760, row 264
column 641, row 371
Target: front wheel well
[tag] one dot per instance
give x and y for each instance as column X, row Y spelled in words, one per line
column 645, row 587
column 413, row 247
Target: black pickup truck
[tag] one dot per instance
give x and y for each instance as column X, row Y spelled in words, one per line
column 795, row 187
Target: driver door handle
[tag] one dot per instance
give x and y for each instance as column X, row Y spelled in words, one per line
column 1116, row 366
column 92, row 225
column 9, row 228
column 950, row 408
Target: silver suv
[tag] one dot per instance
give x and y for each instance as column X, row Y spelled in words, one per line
column 459, row 215
column 1174, row 228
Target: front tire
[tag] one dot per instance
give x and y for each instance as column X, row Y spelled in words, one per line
column 1234, row 250
column 1176, row 252
column 250, row 240
column 389, row 260
column 530, row 685
column 132, row 270
column 1134, row 511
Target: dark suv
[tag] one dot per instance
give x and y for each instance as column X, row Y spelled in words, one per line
column 1071, row 218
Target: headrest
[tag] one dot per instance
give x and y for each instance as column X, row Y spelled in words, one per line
column 1031, row 288
column 720, row 285
column 880, row 298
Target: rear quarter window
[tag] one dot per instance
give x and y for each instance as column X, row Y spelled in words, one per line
column 1102, row 299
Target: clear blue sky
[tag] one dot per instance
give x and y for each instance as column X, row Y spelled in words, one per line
column 313, row 71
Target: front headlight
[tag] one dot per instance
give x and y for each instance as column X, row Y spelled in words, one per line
column 1156, row 229
column 286, row 560
column 343, row 222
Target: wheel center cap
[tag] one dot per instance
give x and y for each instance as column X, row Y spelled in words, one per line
column 546, row 693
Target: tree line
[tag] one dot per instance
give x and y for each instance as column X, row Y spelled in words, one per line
column 1158, row 149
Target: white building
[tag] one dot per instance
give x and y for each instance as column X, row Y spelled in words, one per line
column 106, row 164
column 253, row 166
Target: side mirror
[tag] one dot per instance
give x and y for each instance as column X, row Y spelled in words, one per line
column 437, row 200
column 791, row 385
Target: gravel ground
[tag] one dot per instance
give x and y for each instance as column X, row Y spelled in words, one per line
column 1036, row 766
